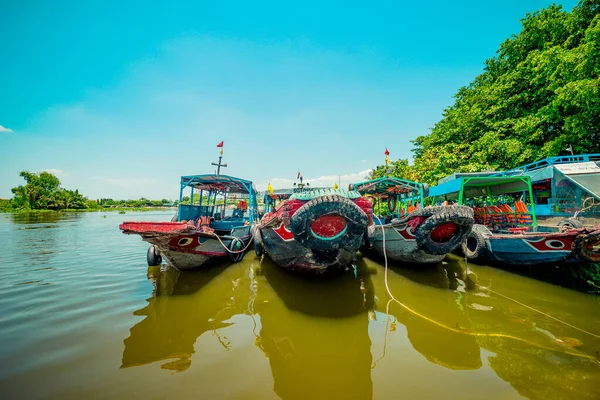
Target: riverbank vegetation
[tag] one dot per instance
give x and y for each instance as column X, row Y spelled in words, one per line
column 43, row 192
column 538, row 96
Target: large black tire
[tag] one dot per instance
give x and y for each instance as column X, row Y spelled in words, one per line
column 257, row 238
column 473, row 247
column 426, row 212
column 236, row 245
column 153, row 256
column 570, row 223
column 459, row 215
column 355, row 217
column 258, row 249
column 581, row 249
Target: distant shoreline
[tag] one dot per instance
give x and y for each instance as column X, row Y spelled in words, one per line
column 93, row 210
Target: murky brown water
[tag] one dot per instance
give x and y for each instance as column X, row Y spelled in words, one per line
column 84, row 317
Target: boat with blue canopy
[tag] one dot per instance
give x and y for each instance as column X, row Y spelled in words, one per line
column 403, row 229
column 506, row 228
column 215, row 224
column 565, row 190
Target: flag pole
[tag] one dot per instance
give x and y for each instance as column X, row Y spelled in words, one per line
column 219, row 164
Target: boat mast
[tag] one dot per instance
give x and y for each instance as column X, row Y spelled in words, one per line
column 219, row 164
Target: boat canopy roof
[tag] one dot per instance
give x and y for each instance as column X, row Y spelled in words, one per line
column 218, row 183
column 578, row 158
column 585, row 174
column 387, row 186
column 475, row 186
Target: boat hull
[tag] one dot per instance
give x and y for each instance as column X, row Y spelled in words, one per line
column 400, row 245
column 425, row 236
column 182, row 246
column 531, row 249
column 290, row 254
column 538, row 248
column 319, row 233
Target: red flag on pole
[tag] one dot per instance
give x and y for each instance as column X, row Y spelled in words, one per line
column 298, row 177
column 220, row 144
column 387, row 152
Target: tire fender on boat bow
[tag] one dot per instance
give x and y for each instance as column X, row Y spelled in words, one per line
column 153, row 256
column 587, row 247
column 451, row 223
column 332, row 206
column 235, row 246
column 474, row 245
column 257, row 238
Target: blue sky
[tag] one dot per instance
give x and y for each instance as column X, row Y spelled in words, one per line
column 119, row 99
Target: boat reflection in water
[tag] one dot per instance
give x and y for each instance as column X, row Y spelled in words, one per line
column 453, row 321
column 313, row 332
column 173, row 323
column 323, row 349
column 437, row 297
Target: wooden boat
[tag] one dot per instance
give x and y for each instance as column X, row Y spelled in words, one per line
column 312, row 230
column 216, row 226
column 511, row 235
column 414, row 235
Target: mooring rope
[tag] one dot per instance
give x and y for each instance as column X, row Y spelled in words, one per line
column 235, row 251
column 463, row 331
column 537, row 311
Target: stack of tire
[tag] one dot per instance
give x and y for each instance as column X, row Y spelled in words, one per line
column 436, row 216
column 330, row 204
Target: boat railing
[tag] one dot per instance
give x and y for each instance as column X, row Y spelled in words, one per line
column 188, row 212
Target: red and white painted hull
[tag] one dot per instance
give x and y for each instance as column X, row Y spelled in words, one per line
column 285, row 251
column 400, row 244
column 180, row 244
column 425, row 236
column 315, row 236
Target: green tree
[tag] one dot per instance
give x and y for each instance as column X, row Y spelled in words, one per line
column 537, row 96
column 42, row 191
column 397, row 169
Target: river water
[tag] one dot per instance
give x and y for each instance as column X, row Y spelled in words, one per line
column 82, row 316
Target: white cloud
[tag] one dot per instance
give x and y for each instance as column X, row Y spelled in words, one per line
column 5, row 130
column 322, row 181
column 57, row 172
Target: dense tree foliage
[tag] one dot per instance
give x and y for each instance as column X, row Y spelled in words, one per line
column 537, row 96
column 399, row 168
column 143, row 202
column 42, row 191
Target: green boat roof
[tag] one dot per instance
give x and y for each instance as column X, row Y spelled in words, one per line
column 309, row 194
column 387, row 185
column 474, row 186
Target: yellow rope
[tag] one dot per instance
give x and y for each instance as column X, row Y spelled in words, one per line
column 501, row 335
column 537, row 311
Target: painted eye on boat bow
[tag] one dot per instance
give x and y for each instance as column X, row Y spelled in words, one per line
column 555, row 244
column 185, row 241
